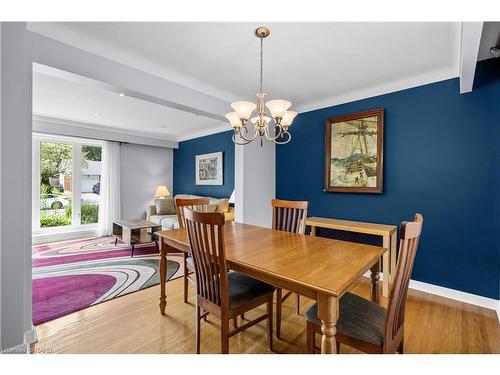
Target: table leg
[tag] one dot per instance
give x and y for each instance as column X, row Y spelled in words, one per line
column 386, row 266
column 394, row 251
column 328, row 313
column 163, row 276
column 313, row 231
column 375, row 277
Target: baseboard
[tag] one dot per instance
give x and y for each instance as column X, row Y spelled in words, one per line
column 473, row 299
column 30, row 337
column 41, row 238
column 457, row 295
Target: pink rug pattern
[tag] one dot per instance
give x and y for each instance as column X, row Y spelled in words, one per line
column 72, row 275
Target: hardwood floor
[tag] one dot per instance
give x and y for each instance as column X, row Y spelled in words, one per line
column 133, row 324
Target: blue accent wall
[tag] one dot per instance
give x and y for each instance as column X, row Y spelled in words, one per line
column 184, row 165
column 441, row 158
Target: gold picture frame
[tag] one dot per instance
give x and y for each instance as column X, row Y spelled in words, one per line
column 354, row 149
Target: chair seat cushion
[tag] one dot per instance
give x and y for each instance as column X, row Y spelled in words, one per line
column 190, row 263
column 358, row 318
column 243, row 289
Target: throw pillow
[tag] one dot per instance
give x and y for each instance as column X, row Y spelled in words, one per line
column 212, row 208
column 165, row 206
column 223, row 205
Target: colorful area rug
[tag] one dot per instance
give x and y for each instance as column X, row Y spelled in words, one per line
column 72, row 275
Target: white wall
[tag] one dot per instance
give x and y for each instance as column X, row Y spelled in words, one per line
column 143, row 168
column 15, row 198
column 19, row 49
column 255, row 182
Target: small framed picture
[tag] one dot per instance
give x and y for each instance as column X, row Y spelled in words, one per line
column 354, row 150
column 209, row 169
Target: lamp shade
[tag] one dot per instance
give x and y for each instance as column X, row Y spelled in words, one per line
column 244, row 109
column 234, row 120
column 231, row 198
column 288, row 118
column 278, row 108
column 254, row 120
column 161, row 192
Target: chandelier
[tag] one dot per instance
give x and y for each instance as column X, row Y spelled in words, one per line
column 262, row 122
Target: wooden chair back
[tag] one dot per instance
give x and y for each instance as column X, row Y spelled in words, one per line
column 206, row 238
column 197, row 204
column 289, row 216
column 409, row 234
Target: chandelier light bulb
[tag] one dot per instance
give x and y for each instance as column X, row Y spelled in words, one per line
column 278, row 108
column 234, row 119
column 244, row 109
column 254, row 120
column 288, row 118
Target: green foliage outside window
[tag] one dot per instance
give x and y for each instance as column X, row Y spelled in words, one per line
column 47, row 220
column 93, row 153
column 89, row 213
column 55, row 158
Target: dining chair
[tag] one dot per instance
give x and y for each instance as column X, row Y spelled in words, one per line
column 198, row 204
column 365, row 325
column 289, row 216
column 218, row 292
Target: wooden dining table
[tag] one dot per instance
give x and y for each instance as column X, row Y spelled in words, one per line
column 319, row 268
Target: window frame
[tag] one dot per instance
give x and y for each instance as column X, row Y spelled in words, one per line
column 76, row 166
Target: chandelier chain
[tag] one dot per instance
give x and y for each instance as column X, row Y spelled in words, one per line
column 261, row 62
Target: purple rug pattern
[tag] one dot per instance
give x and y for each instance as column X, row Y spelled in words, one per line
column 73, row 275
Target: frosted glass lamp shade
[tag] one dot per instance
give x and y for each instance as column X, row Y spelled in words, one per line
column 288, row 118
column 244, row 109
column 256, row 118
column 234, row 120
column 278, row 108
column 161, row 192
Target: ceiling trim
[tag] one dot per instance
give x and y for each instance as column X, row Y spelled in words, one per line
column 52, row 125
column 203, row 133
column 126, row 79
column 369, row 92
column 377, row 90
column 89, row 44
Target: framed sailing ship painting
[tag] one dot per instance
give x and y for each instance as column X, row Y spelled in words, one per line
column 354, row 149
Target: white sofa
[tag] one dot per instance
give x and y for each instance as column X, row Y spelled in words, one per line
column 169, row 220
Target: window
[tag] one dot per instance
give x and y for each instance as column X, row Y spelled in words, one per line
column 56, row 182
column 66, row 183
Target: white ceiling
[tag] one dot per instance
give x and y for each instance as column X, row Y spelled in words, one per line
column 311, row 64
column 63, row 99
